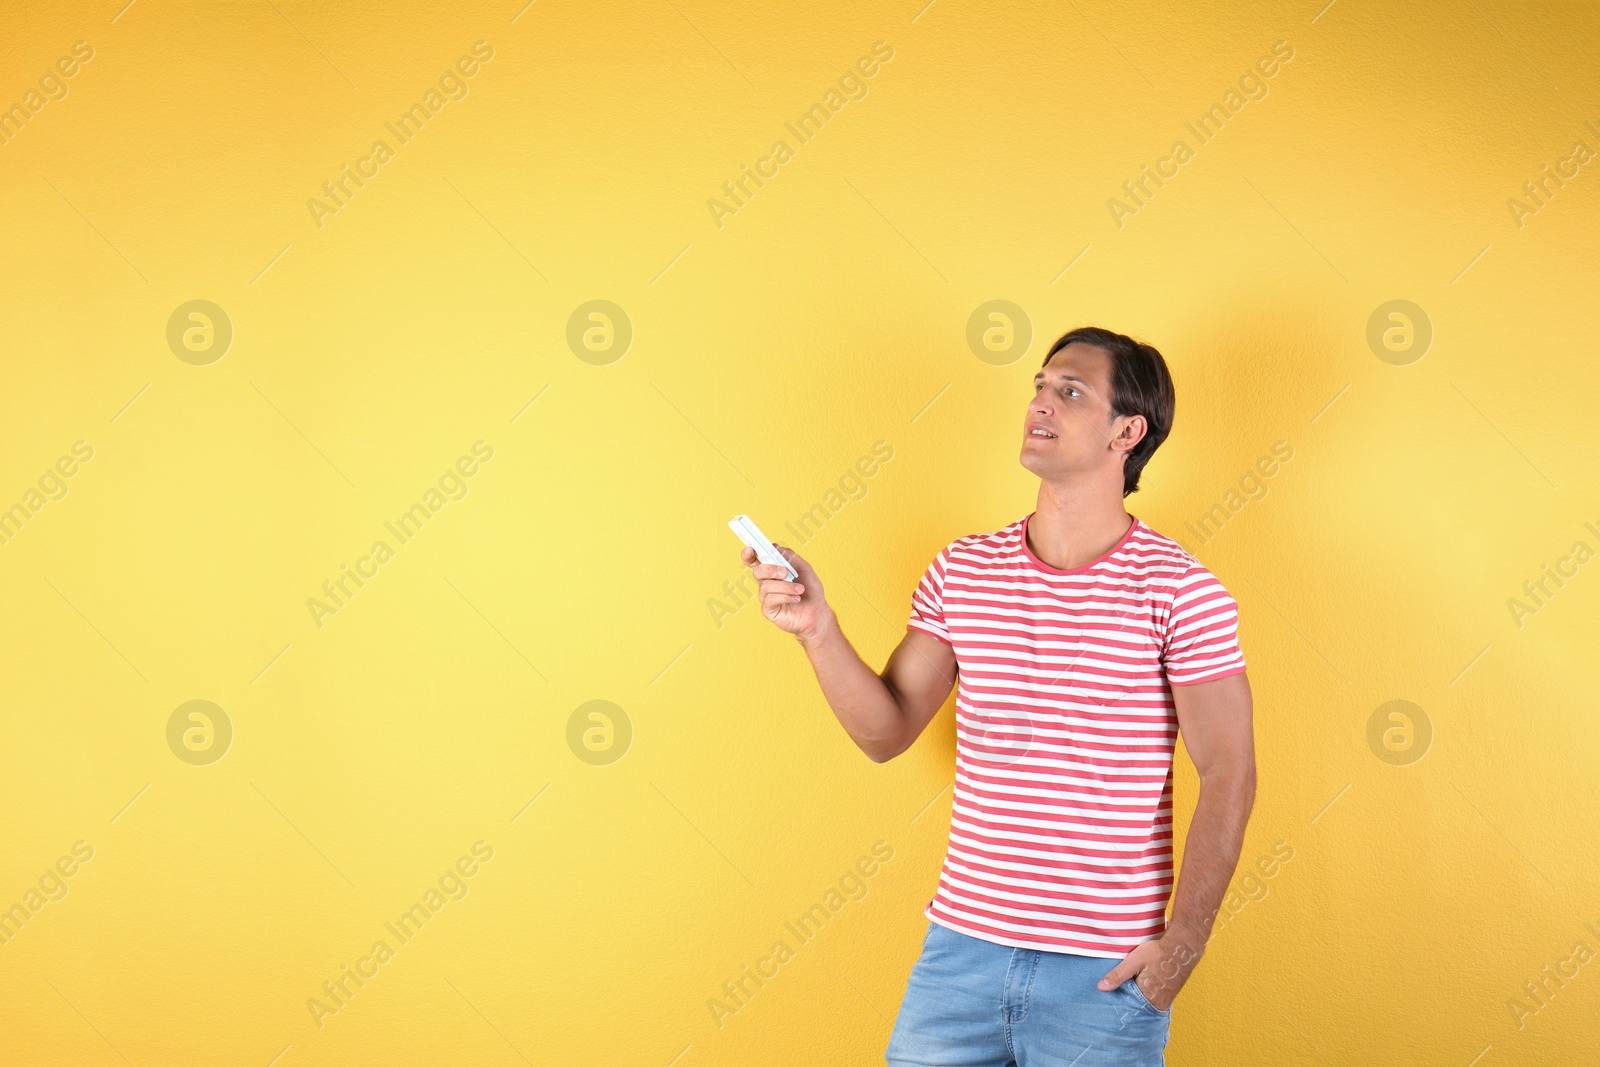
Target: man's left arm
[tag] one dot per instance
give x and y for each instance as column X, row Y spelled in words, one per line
column 1214, row 720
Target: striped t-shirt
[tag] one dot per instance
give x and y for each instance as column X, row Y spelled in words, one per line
column 1061, row 833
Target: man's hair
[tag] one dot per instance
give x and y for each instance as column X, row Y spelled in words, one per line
column 1140, row 385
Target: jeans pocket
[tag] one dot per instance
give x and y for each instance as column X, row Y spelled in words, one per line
column 1133, row 986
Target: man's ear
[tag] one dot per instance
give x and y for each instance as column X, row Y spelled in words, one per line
column 1129, row 433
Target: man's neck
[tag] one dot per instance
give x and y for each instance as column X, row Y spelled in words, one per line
column 1075, row 524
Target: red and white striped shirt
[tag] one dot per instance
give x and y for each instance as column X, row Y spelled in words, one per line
column 1061, row 833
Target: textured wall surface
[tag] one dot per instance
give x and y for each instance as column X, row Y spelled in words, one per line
column 310, row 416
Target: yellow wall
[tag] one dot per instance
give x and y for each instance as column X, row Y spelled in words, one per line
column 372, row 348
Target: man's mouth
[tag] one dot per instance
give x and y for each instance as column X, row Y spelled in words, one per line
column 1036, row 432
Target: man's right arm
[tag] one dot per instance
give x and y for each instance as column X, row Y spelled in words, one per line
column 883, row 713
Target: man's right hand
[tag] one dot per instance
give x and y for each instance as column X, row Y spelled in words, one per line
column 883, row 713
column 797, row 607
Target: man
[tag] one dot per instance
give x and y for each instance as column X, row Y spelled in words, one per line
column 1084, row 642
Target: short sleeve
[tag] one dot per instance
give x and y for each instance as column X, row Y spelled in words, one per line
column 927, row 601
column 1202, row 640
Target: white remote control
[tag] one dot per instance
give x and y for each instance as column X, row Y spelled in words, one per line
column 765, row 552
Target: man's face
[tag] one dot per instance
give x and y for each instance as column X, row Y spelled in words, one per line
column 1072, row 404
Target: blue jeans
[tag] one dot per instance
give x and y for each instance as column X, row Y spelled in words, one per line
column 973, row 1003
